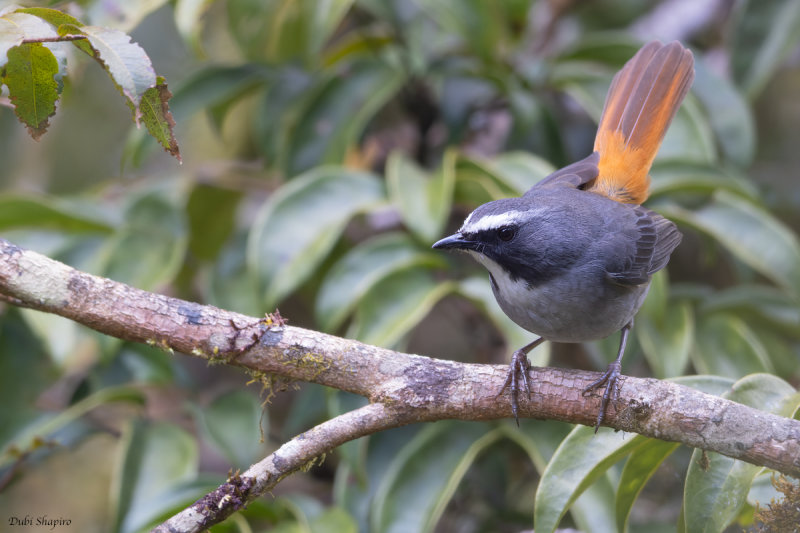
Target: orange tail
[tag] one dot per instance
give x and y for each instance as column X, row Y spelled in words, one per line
column 643, row 98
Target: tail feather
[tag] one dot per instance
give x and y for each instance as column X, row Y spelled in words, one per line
column 643, row 98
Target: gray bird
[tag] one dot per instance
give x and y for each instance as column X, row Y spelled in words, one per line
column 571, row 259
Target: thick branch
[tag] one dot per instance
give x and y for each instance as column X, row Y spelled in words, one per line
column 417, row 388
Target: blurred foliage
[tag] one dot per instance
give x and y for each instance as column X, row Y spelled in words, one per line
column 326, row 145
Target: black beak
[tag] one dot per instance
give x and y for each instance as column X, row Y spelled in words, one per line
column 455, row 241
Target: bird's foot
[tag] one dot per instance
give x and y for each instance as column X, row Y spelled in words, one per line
column 611, row 380
column 517, row 369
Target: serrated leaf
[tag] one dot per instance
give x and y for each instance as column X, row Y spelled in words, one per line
column 423, row 476
column 52, row 16
column 16, row 27
column 395, row 305
column 58, row 19
column 750, row 233
column 30, row 78
column 717, row 486
column 125, row 61
column 359, row 270
column 157, row 118
column 727, row 346
column 423, row 200
column 299, row 224
column 581, row 459
column 233, row 423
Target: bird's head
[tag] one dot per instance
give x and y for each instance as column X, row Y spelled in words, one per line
column 520, row 237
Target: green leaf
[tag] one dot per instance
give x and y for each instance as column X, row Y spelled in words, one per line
column 29, row 76
column 334, row 119
column 750, row 233
column 299, row 224
column 211, row 211
column 423, row 201
column 214, row 85
column 757, row 304
column 42, row 212
column 58, row 19
column 520, row 170
column 361, row 269
column 766, row 33
column 675, row 177
column 665, row 330
column 154, row 462
column 728, row 113
column 148, row 249
column 579, row 461
column 157, row 118
column 509, row 174
column 717, row 486
column 689, row 137
column 125, row 61
column 46, row 427
column 727, row 346
column 188, row 20
column 51, row 16
column 233, row 423
column 639, row 468
column 355, row 489
column 583, row 457
column 395, row 305
column 334, row 520
column 422, row 478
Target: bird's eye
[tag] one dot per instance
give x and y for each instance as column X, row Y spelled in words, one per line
column 506, row 233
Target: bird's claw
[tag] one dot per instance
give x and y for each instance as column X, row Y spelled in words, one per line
column 611, row 380
column 519, row 366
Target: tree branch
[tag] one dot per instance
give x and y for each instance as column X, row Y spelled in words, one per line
column 240, row 489
column 403, row 388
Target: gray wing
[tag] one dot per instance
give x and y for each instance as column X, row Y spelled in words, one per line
column 575, row 175
column 657, row 238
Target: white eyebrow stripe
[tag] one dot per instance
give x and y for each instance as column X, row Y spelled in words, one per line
column 491, row 221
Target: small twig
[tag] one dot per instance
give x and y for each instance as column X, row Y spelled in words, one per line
column 59, row 39
column 240, row 489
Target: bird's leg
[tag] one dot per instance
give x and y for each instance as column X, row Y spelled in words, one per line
column 519, row 367
column 611, row 377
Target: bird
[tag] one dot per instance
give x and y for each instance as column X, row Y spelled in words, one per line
column 572, row 258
